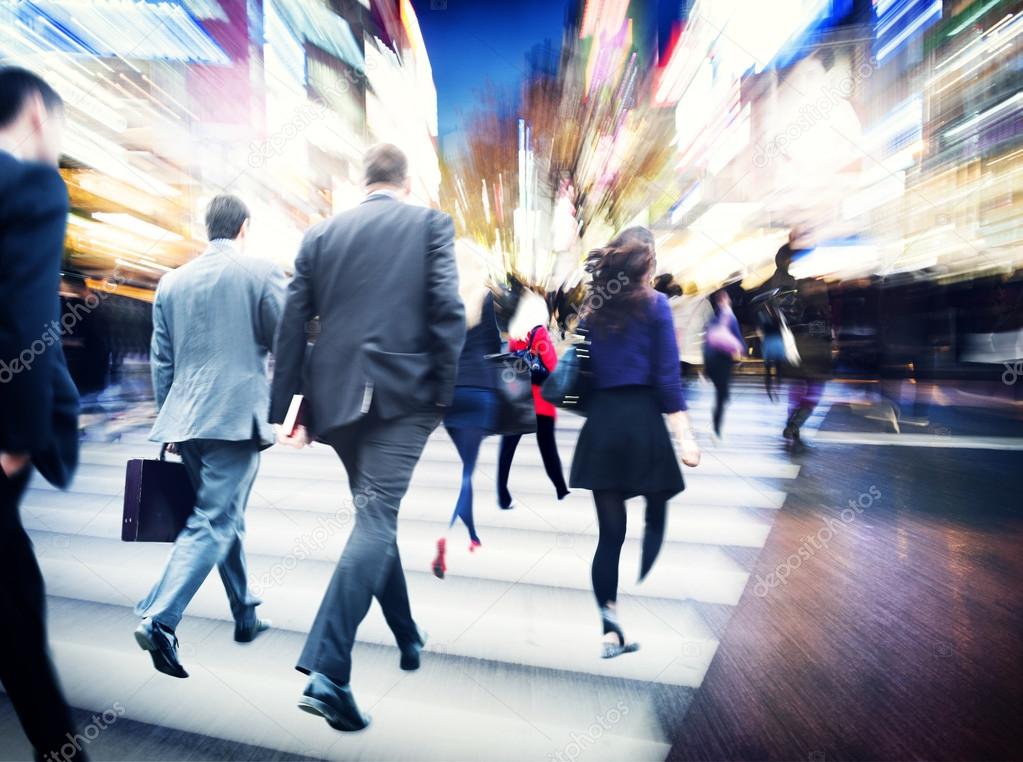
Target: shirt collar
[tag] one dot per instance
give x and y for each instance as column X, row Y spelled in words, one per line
column 220, row 244
column 387, row 192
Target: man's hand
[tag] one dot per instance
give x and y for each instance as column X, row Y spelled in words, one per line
column 172, row 448
column 14, row 462
column 298, row 440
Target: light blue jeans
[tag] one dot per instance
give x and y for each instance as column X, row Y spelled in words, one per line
column 222, row 474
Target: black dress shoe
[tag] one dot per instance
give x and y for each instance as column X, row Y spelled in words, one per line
column 162, row 645
column 246, row 633
column 410, row 653
column 334, row 703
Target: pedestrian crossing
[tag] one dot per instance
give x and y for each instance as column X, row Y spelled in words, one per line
column 511, row 669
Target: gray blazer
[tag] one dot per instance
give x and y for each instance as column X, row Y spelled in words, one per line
column 214, row 321
column 381, row 278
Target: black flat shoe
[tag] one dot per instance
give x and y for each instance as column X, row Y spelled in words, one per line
column 334, row 703
column 246, row 633
column 162, row 645
column 410, row 653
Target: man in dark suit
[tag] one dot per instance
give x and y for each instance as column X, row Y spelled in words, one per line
column 381, row 279
column 38, row 401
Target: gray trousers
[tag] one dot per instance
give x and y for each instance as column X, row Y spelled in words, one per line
column 379, row 457
column 222, row 473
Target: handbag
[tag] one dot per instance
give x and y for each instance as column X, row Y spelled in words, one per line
column 158, row 499
column 516, row 412
column 538, row 372
column 568, row 387
column 721, row 339
column 789, row 343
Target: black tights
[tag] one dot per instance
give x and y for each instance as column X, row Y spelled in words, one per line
column 611, row 520
column 719, row 368
column 548, row 451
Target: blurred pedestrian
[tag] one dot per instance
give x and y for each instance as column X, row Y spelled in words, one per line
column 39, row 403
column 528, row 329
column 383, row 281
column 214, row 321
column 475, row 406
column 624, row 448
column 805, row 310
column 690, row 313
column 723, row 347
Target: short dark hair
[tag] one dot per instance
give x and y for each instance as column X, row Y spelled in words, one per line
column 385, row 163
column 225, row 216
column 17, row 85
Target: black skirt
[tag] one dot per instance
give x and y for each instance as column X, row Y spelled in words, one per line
column 624, row 445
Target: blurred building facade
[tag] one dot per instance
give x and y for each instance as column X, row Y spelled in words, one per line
column 170, row 103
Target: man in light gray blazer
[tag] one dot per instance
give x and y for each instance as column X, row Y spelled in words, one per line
column 214, row 321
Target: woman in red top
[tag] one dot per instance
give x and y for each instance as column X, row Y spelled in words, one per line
column 529, row 323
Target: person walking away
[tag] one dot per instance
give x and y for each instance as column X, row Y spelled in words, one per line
column 382, row 279
column 624, row 448
column 214, row 321
column 690, row 313
column 772, row 345
column 723, row 347
column 38, row 400
column 528, row 328
column 474, row 410
column 805, row 307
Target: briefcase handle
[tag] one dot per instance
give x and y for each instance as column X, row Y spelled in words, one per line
column 163, row 451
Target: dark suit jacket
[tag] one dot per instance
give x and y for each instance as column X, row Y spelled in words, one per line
column 381, row 278
column 38, row 400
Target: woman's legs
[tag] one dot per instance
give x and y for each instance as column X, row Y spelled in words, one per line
column 653, row 533
column 549, row 453
column 769, row 366
column 467, row 442
column 611, row 520
column 719, row 368
column 504, row 462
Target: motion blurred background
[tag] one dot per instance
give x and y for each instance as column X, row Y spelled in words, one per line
column 886, row 134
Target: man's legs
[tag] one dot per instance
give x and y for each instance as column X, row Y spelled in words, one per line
column 232, row 568
column 379, row 457
column 223, row 473
column 26, row 671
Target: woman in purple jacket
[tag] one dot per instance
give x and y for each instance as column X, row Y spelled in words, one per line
column 624, row 449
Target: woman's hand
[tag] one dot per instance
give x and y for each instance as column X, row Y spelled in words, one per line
column 683, row 435
column 690, row 452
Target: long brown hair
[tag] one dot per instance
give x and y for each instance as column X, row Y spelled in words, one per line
column 620, row 289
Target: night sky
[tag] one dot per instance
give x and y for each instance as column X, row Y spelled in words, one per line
column 473, row 41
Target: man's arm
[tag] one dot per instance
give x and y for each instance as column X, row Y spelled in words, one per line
column 289, row 348
column 271, row 304
column 445, row 319
column 161, row 350
column 30, row 332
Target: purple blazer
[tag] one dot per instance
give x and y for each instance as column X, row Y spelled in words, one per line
column 644, row 353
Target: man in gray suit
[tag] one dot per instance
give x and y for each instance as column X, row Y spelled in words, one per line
column 214, row 321
column 381, row 279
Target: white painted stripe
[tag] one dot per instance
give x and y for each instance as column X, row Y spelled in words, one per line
column 918, row 440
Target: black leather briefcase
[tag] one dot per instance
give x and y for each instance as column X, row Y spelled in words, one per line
column 158, row 499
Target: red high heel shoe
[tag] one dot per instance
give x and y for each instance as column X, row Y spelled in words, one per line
column 473, row 544
column 439, row 567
